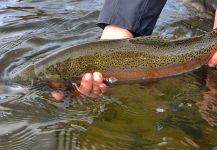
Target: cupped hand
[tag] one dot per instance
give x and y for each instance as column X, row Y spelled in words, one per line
column 91, row 85
column 213, row 60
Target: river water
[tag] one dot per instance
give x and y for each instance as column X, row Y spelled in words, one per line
column 174, row 113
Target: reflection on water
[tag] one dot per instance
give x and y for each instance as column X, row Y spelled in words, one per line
column 174, row 113
column 208, row 105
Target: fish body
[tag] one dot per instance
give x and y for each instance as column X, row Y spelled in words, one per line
column 142, row 58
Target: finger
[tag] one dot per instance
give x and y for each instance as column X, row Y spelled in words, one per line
column 97, row 80
column 95, row 91
column 57, row 95
column 103, row 87
column 213, row 60
column 86, row 84
column 54, row 85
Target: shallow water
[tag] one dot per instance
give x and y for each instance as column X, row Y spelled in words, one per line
column 174, row 113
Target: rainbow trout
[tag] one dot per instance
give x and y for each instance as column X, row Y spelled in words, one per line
column 142, row 58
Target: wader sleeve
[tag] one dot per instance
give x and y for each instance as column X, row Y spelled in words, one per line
column 138, row 16
column 210, row 4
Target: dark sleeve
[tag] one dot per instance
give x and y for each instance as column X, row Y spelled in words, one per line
column 210, row 4
column 138, row 16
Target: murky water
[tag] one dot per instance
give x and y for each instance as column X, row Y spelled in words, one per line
column 174, row 113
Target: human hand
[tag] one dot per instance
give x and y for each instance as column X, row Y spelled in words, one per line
column 91, row 85
column 213, row 60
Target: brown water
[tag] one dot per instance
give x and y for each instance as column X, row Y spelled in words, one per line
column 174, row 113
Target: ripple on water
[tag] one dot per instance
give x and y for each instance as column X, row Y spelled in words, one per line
column 16, row 135
column 124, row 117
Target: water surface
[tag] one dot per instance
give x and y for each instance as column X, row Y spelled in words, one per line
column 174, row 113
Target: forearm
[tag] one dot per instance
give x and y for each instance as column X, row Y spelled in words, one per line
column 115, row 32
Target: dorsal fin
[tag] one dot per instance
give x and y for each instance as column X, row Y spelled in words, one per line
column 163, row 41
column 150, row 40
column 187, row 40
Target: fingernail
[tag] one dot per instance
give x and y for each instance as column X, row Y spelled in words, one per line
column 87, row 76
column 97, row 76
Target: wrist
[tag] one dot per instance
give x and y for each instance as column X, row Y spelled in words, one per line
column 115, row 32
